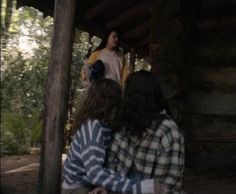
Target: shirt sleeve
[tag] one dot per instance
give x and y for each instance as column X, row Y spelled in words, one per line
column 93, row 157
column 171, row 159
column 93, row 57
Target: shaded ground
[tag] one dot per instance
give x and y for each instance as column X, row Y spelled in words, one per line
column 19, row 175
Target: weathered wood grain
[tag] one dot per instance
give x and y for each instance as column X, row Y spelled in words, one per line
column 219, row 78
column 57, row 96
column 214, row 128
column 215, row 103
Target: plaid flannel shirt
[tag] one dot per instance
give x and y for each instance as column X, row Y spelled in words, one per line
column 159, row 154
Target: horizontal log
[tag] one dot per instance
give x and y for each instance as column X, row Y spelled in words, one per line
column 215, row 103
column 134, row 12
column 214, row 41
column 220, row 10
column 138, row 31
column 144, row 41
column 97, row 8
column 217, row 3
column 212, row 156
column 217, row 23
column 216, row 49
column 220, row 78
column 215, row 35
column 213, row 128
column 214, row 38
column 217, row 61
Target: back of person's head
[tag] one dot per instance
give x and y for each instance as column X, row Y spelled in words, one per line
column 142, row 102
column 103, row 99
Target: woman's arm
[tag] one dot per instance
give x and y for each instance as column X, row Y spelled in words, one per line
column 93, row 157
column 93, row 57
column 170, row 162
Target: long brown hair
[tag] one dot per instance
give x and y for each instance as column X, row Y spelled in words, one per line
column 103, row 99
column 142, row 103
column 105, row 38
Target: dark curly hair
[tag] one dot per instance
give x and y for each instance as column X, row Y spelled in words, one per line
column 103, row 99
column 142, row 103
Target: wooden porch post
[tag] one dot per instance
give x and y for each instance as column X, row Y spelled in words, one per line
column 167, row 53
column 166, row 28
column 57, row 93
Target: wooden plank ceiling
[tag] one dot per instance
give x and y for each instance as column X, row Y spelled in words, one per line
column 131, row 18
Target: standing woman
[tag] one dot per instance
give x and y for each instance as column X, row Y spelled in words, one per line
column 109, row 53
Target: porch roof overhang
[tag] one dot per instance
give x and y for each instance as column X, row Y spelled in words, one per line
column 131, row 18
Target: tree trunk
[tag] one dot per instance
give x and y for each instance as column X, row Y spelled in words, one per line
column 57, row 93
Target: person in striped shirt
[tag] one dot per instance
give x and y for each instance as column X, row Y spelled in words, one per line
column 84, row 165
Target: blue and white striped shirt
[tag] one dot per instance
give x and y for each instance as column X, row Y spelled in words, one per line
column 85, row 160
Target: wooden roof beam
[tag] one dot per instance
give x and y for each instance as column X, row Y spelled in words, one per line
column 140, row 43
column 46, row 7
column 138, row 30
column 94, row 11
column 144, row 41
column 127, row 14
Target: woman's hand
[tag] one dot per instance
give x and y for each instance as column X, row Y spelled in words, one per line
column 160, row 188
column 98, row 190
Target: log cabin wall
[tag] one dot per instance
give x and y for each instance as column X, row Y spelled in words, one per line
column 211, row 102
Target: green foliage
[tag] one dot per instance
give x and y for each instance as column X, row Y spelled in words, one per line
column 19, row 133
column 35, row 125
column 23, row 79
column 80, row 49
column 25, row 53
column 23, row 84
column 15, row 134
column 25, row 61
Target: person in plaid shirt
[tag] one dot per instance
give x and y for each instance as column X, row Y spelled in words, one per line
column 149, row 144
